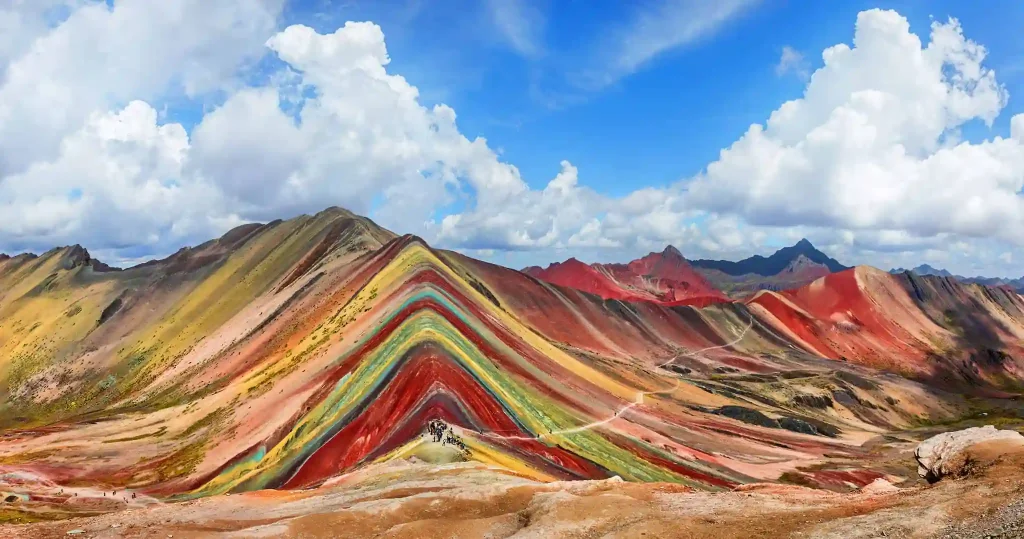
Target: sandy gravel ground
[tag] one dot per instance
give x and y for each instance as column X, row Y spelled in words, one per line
column 469, row 500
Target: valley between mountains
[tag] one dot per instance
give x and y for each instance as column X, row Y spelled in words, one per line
column 313, row 352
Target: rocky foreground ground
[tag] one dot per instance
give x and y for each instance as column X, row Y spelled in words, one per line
column 980, row 494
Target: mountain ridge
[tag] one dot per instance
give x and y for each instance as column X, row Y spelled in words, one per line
column 287, row 354
column 664, row 277
column 772, row 264
column 925, row 269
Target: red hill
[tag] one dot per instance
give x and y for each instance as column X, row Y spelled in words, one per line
column 665, row 278
column 575, row 274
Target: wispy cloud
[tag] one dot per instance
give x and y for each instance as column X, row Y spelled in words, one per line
column 792, row 61
column 659, row 28
column 521, row 24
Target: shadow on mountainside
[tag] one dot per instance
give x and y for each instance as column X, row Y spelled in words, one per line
column 980, row 357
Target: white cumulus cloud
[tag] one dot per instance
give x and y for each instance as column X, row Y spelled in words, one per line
column 864, row 149
column 868, row 160
column 101, row 57
column 110, row 174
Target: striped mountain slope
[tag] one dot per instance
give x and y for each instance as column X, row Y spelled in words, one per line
column 282, row 355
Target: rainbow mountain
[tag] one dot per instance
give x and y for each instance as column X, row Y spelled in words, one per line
column 285, row 354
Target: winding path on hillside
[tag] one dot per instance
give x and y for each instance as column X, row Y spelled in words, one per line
column 637, row 401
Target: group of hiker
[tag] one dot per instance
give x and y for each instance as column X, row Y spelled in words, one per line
column 440, row 432
column 437, row 428
column 113, row 493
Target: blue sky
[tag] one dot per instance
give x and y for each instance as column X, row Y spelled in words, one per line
column 664, row 122
column 595, row 129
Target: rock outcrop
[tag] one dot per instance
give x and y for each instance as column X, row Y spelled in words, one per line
column 945, row 454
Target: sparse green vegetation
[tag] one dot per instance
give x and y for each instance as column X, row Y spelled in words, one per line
column 182, row 462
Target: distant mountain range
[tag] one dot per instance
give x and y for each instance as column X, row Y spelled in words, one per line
column 774, row 264
column 925, row 269
column 670, row 279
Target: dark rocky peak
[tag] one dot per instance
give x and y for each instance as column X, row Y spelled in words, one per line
column 804, row 245
column 672, row 252
column 774, row 264
column 76, row 255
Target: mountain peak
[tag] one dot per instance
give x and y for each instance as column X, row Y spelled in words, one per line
column 573, row 262
column 74, row 256
column 332, row 211
column 568, row 263
column 804, row 265
column 672, row 251
column 774, row 264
